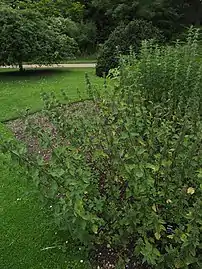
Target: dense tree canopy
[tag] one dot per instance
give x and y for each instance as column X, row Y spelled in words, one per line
column 26, row 37
column 49, row 8
column 112, row 12
column 169, row 15
column 84, row 31
column 93, row 21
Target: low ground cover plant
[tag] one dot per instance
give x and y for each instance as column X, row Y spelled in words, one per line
column 125, row 172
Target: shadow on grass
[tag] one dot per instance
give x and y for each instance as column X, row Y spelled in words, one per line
column 7, row 74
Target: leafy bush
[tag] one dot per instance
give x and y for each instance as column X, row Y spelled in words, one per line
column 126, row 170
column 120, row 40
column 170, row 75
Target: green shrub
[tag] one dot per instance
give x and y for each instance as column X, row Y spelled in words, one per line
column 169, row 75
column 120, row 40
column 126, row 169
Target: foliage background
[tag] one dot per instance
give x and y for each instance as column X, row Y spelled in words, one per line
column 125, row 171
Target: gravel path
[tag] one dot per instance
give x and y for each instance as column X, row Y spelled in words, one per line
column 76, row 65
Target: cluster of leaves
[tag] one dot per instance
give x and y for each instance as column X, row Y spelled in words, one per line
column 127, row 171
column 120, row 41
column 60, row 8
column 170, row 16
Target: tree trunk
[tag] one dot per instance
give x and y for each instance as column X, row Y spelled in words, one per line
column 21, row 67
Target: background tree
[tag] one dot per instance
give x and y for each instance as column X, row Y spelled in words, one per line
column 120, row 41
column 192, row 12
column 110, row 14
column 67, row 12
column 97, row 19
column 26, row 37
column 169, row 15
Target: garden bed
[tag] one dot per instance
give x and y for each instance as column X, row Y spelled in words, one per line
column 103, row 257
column 40, row 120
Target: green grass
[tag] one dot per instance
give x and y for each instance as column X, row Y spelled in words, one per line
column 21, row 91
column 25, row 228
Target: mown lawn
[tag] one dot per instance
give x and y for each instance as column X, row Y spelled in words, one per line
column 21, row 91
column 27, row 236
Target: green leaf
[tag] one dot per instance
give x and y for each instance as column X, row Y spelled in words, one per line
column 139, row 174
column 79, row 209
column 155, row 168
column 179, row 264
column 154, row 208
column 53, row 190
column 200, row 173
column 170, row 236
column 157, row 236
column 57, row 172
column 95, row 229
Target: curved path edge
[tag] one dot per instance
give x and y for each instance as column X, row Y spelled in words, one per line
column 76, row 65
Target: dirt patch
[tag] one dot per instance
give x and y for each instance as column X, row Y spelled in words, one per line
column 41, row 125
column 106, row 258
column 39, row 121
